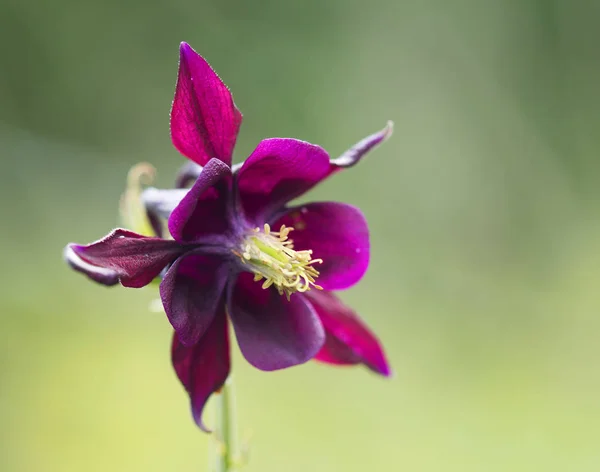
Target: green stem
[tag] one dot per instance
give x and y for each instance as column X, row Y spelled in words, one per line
column 225, row 430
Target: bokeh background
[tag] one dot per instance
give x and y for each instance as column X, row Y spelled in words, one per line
column 484, row 209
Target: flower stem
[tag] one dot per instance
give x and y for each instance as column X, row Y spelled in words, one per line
column 225, row 431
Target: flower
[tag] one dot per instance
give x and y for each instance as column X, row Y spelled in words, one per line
column 238, row 249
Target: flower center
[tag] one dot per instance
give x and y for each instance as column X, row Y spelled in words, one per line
column 271, row 256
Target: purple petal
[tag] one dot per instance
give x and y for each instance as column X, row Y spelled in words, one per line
column 278, row 171
column 204, row 120
column 129, row 257
column 191, row 291
column 102, row 275
column 161, row 202
column 187, row 174
column 336, row 233
column 203, row 368
column 353, row 155
column 202, row 212
column 349, row 341
column 273, row 333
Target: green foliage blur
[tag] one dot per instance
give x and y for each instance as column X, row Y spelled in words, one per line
column 484, row 209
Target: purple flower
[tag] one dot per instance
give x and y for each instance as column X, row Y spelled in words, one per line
column 239, row 251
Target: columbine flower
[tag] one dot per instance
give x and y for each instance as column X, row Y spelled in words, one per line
column 238, row 249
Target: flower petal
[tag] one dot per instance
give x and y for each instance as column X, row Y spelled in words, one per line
column 102, row 275
column 191, row 291
column 278, row 171
column 204, row 119
column 132, row 259
column 336, row 233
column 353, row 155
column 187, row 174
column 162, row 202
column 203, row 368
column 349, row 340
column 202, row 211
column 273, row 333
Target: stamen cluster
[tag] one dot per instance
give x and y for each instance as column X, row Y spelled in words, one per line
column 271, row 256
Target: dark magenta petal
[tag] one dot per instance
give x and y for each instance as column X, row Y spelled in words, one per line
column 191, row 291
column 131, row 258
column 353, row 155
column 162, row 202
column 336, row 233
column 204, row 120
column 159, row 204
column 203, row 368
column 273, row 333
column 348, row 339
column 187, row 174
column 202, row 211
column 278, row 171
column 102, row 275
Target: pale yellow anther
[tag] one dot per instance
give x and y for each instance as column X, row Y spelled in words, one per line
column 271, row 256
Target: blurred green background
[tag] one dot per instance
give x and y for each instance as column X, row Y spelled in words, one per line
column 484, row 209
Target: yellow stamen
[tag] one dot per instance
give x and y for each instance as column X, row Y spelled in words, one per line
column 271, row 256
